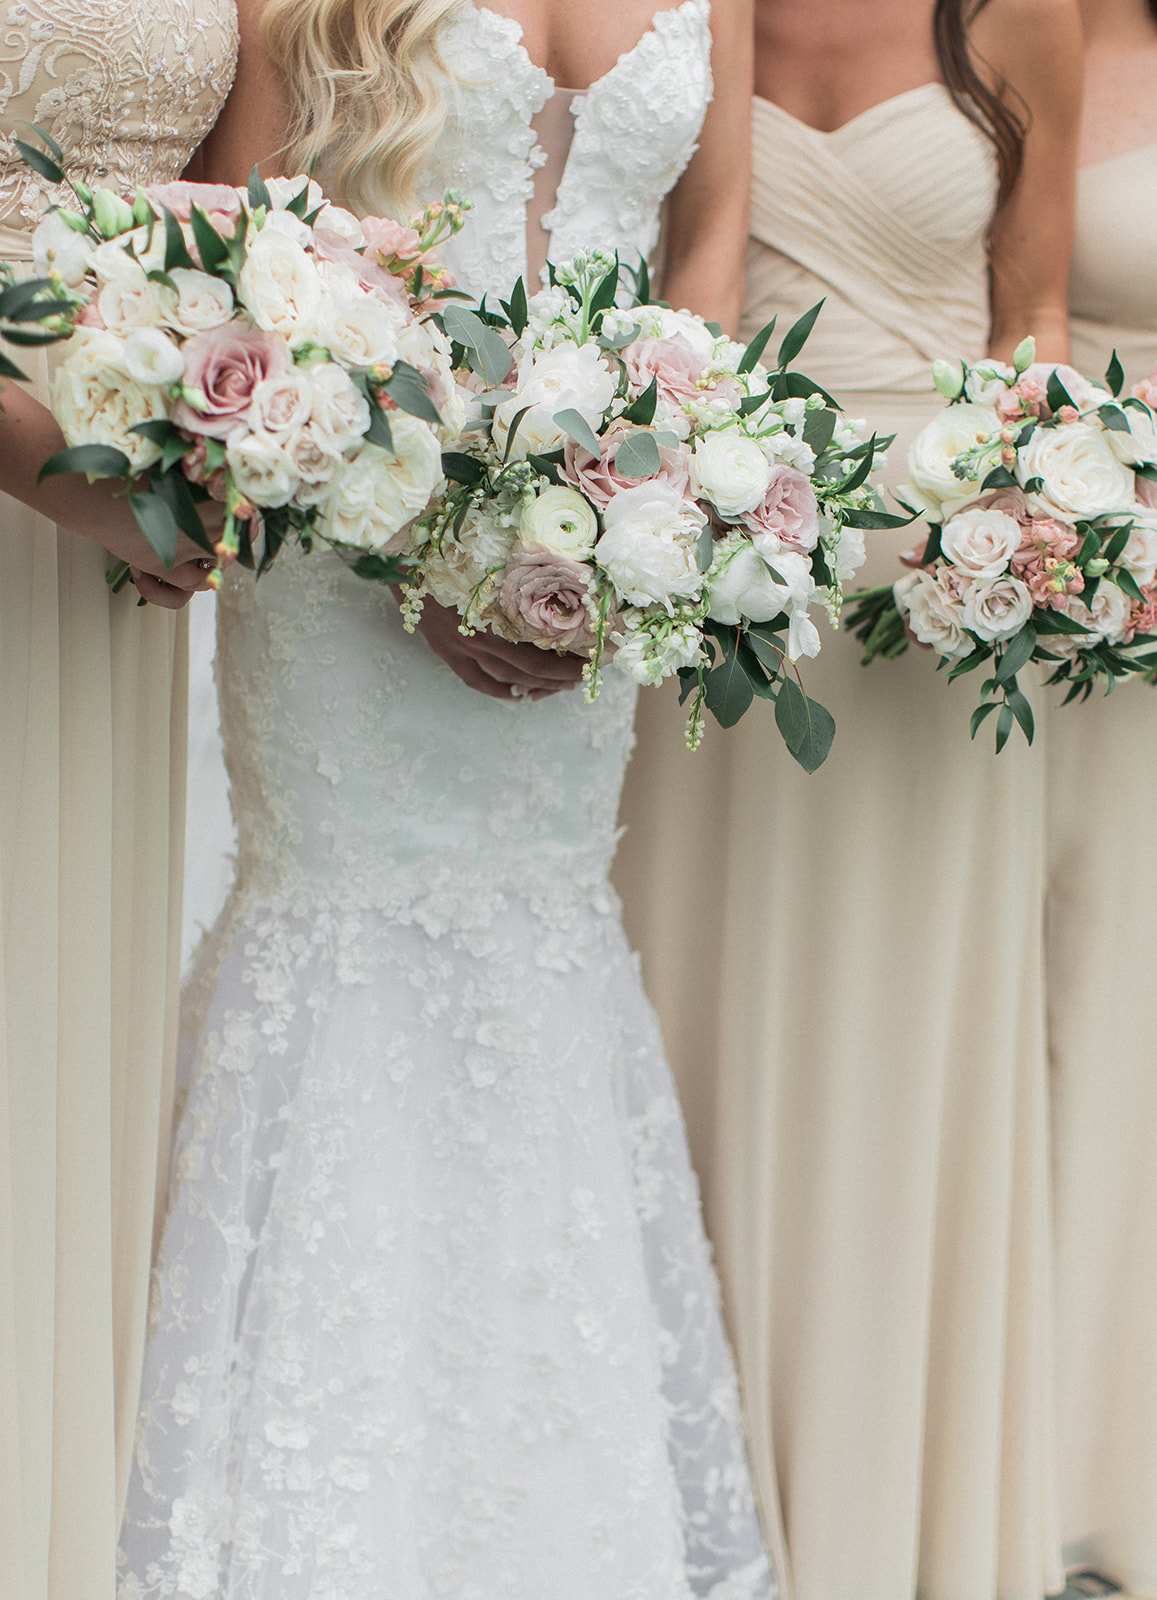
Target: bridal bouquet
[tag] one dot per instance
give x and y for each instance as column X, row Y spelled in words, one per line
column 633, row 486
column 258, row 346
column 1040, row 491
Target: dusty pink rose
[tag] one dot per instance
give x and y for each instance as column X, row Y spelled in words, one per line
column 673, row 365
column 225, row 365
column 543, row 597
column 1011, row 501
column 788, row 509
column 1143, row 616
column 217, row 200
column 598, row 479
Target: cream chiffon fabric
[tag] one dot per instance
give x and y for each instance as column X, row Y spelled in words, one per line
column 92, row 739
column 1102, row 957
column 848, row 970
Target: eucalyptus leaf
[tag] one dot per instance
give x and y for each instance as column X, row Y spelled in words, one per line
column 807, row 727
column 638, row 456
column 407, row 389
column 705, row 548
column 728, row 691
column 576, row 425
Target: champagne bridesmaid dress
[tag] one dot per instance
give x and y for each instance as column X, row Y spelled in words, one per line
column 1102, row 955
column 91, row 803
column 847, row 967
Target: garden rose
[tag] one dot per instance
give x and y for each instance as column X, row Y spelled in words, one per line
column 339, row 412
column 671, row 364
column 996, row 608
column 281, row 403
column 357, row 329
column 279, row 287
column 95, row 401
column 731, row 471
column 561, row 520
column 180, row 198
column 261, row 469
column 787, row 514
column 599, row 479
column 935, row 617
column 543, row 598
column 1082, row 476
column 980, row 542
column 223, row 368
column 131, row 301
column 201, row 302
column 934, row 487
column 381, row 491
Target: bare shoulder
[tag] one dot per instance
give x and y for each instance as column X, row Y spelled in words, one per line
column 1037, row 47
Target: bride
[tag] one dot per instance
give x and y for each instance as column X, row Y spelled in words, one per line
column 434, row 1314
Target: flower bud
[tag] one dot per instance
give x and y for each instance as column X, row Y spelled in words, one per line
column 112, row 215
column 73, row 220
column 948, row 376
column 1024, row 355
column 142, row 210
column 1097, row 567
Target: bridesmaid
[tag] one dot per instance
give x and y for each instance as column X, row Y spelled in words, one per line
column 1102, row 912
column 848, row 966
column 91, row 803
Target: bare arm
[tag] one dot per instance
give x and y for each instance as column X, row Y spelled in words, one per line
column 1036, row 47
column 708, row 210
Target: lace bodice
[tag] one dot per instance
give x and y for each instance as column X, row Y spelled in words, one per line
column 128, row 88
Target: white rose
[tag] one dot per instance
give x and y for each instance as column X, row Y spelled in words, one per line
column 980, row 542
column 1081, row 473
column 1110, row 612
column 561, row 520
column 569, row 377
column 379, row 491
column 357, row 329
column 1140, row 554
column 987, row 381
column 1138, row 447
column 281, row 404
column 315, row 462
column 996, row 608
column 648, row 548
column 339, row 411
column 936, row 618
column 261, row 469
column 934, row 485
column 202, row 302
column 335, row 219
column 57, row 248
column 731, row 471
column 131, row 301
column 150, row 356
column 96, row 402
column 279, row 287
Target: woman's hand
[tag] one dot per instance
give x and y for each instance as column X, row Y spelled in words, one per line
column 491, row 665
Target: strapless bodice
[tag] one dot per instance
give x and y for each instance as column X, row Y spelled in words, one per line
column 128, row 88
column 886, row 219
column 1113, row 283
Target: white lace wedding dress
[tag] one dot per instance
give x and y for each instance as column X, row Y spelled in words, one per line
column 434, row 1314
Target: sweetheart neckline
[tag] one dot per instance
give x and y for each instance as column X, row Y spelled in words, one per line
column 860, row 116
column 621, row 61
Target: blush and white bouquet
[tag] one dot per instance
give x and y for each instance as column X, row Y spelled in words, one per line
column 633, row 486
column 257, row 346
column 1040, row 492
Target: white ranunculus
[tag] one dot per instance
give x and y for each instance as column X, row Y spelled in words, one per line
column 1140, row 554
column 980, row 542
column 987, row 381
column 132, row 301
column 1138, row 447
column 569, row 377
column 934, row 486
column 935, row 617
column 648, row 548
column 279, row 287
column 731, row 471
column 357, row 330
column 339, row 411
column 150, row 356
column 281, row 404
column 996, row 608
column 1081, row 474
column 335, row 219
column 379, row 491
column 96, row 402
column 560, row 519
column 261, row 469
column 58, row 248
column 202, row 302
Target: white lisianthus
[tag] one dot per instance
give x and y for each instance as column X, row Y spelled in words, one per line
column 150, row 356
column 934, row 487
column 379, row 491
column 281, row 404
column 731, row 471
column 336, row 220
column 96, row 402
column 1082, row 476
column 279, row 287
column 996, row 608
column 131, row 301
column 357, row 329
column 987, row 381
column 1140, row 554
column 58, row 248
column 1138, row 447
column 648, row 653
column 202, row 302
column 648, row 548
column 562, row 520
column 935, row 617
column 261, row 469
column 339, row 411
column 569, row 377
column 980, row 542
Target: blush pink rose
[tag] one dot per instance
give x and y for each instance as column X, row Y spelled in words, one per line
column 217, row 200
column 600, row 482
column 543, row 598
column 789, row 510
column 673, row 365
column 226, row 365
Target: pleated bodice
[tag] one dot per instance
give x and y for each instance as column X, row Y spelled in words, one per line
column 886, row 218
column 1112, row 285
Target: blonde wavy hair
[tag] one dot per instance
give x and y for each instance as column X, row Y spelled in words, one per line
column 367, row 88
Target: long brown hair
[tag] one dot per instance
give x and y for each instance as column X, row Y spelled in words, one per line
column 982, row 104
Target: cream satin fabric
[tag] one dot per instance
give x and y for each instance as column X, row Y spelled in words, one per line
column 92, row 737
column 1102, row 956
column 848, row 970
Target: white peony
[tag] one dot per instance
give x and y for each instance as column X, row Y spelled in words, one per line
column 935, row 617
column 981, row 543
column 261, row 469
column 281, row 404
column 150, row 356
column 742, row 588
column 380, row 491
column 339, row 412
column 731, row 471
column 996, row 608
column 1082, row 476
column 201, row 302
column 131, row 301
column 279, row 287
column 648, row 548
column 660, row 322
column 569, row 377
column 560, row 519
column 58, row 248
column 96, row 402
column 934, row 487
